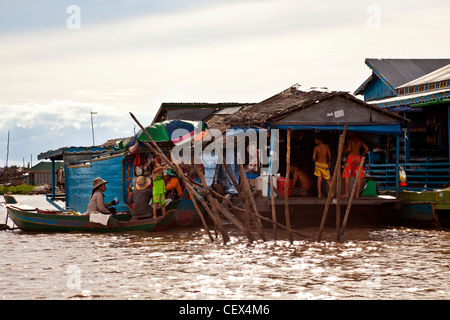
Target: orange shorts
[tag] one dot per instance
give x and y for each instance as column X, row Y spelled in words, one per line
column 351, row 167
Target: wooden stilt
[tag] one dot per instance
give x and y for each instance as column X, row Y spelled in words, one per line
column 333, row 182
column 286, row 186
column 282, row 226
column 352, row 195
column 250, row 200
column 274, row 213
column 155, row 148
column 338, row 202
column 214, row 209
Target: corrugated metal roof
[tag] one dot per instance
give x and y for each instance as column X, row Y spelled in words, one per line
column 191, row 110
column 438, row 75
column 397, row 72
column 406, row 100
column 45, row 166
column 198, row 114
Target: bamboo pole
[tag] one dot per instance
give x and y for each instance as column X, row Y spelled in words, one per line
column 249, row 200
column 157, row 150
column 349, row 205
column 227, row 169
column 274, row 222
column 191, row 193
column 227, row 214
column 215, row 214
column 281, row 226
column 217, row 207
column 286, row 186
column 333, row 182
column 338, row 203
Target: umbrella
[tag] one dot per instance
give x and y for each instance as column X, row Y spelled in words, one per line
column 175, row 131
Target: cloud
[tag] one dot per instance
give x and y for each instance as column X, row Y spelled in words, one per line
column 37, row 128
column 202, row 53
column 213, row 51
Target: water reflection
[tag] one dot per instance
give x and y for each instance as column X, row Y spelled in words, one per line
column 391, row 263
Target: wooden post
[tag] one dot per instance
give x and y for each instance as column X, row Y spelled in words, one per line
column 258, row 215
column 246, row 204
column 227, row 214
column 333, row 182
column 338, row 202
column 191, row 193
column 227, row 169
column 397, row 164
column 349, row 205
column 155, row 148
column 215, row 214
column 248, row 199
column 282, row 226
column 274, row 213
column 286, row 186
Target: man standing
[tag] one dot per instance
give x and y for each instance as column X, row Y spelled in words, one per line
column 351, row 166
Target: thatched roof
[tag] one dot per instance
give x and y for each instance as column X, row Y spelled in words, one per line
column 281, row 103
column 289, row 101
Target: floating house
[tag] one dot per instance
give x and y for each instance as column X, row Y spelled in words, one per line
column 67, row 156
column 419, row 90
column 307, row 112
column 41, row 173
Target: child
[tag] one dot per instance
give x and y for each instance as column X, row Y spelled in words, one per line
column 322, row 159
column 353, row 148
column 159, row 189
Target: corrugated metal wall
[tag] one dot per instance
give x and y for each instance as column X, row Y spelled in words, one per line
column 42, row 178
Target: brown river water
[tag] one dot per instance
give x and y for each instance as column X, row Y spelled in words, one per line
column 182, row 264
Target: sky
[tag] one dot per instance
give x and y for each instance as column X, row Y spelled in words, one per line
column 61, row 60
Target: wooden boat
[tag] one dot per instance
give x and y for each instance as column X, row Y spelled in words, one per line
column 425, row 208
column 28, row 218
column 83, row 164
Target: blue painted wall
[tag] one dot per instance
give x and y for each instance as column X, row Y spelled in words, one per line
column 376, row 89
column 79, row 183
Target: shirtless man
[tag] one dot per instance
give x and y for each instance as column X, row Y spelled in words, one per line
column 301, row 182
column 351, row 166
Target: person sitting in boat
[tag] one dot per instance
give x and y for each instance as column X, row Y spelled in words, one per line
column 140, row 197
column 173, row 186
column 97, row 199
column 159, row 189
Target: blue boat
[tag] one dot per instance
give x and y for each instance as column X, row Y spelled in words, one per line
column 119, row 165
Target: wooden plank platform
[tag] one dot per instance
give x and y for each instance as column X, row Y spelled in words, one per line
column 307, row 211
column 265, row 203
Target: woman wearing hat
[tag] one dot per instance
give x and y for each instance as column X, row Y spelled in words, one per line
column 97, row 199
column 141, row 197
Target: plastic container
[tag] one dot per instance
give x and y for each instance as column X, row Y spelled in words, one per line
column 264, row 185
column 370, row 189
column 258, row 185
column 281, row 182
